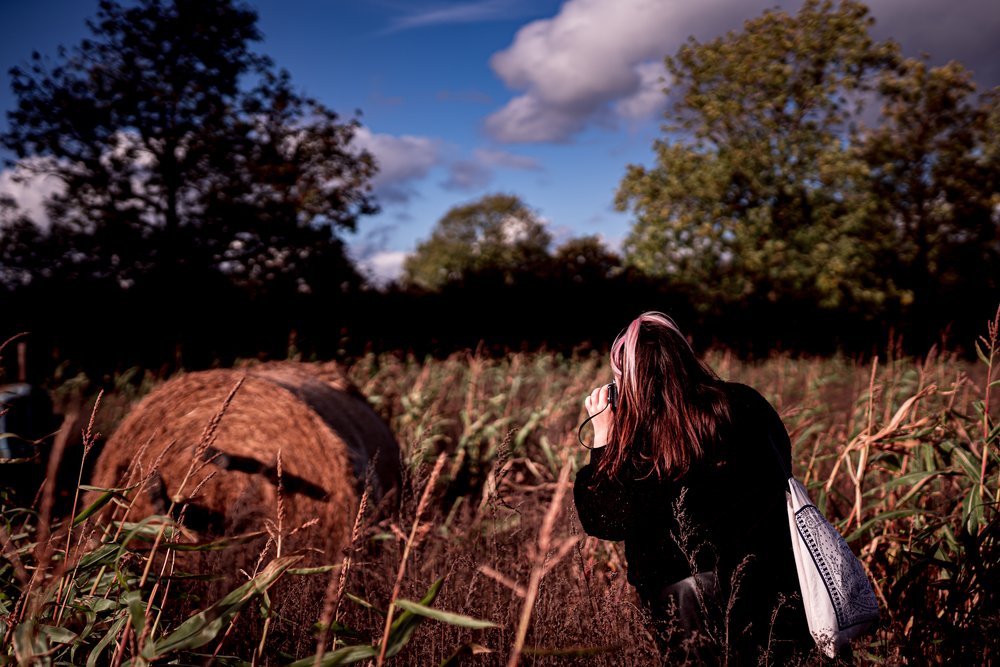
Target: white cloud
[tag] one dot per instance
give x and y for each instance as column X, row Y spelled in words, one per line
column 592, row 54
column 477, row 173
column 466, row 12
column 601, row 59
column 963, row 30
column 30, row 190
column 406, row 159
column 467, row 176
column 383, row 267
column 649, row 99
column 527, row 119
column 401, row 160
column 495, row 158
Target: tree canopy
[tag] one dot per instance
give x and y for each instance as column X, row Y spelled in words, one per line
column 181, row 150
column 585, row 260
column 775, row 181
column 497, row 236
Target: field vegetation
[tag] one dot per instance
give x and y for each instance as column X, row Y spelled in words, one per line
column 484, row 562
column 774, row 200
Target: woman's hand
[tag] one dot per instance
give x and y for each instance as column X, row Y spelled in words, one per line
column 597, row 407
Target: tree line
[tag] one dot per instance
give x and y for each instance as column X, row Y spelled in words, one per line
column 813, row 190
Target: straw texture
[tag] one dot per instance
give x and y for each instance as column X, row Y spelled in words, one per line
column 326, row 432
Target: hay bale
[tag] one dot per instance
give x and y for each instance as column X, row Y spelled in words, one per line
column 325, row 430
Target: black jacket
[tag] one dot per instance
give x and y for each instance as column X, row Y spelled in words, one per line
column 727, row 510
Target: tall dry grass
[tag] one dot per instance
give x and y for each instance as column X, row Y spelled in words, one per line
column 486, row 550
column 901, row 453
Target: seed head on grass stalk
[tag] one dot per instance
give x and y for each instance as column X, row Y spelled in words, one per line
column 416, row 533
column 89, row 438
column 333, row 596
column 207, row 439
column 540, row 562
column 197, row 463
column 44, row 549
column 993, row 332
column 275, row 531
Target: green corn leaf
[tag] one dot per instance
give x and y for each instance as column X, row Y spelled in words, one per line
column 119, row 490
column 71, row 592
column 994, row 434
column 965, row 463
column 522, row 435
column 26, row 549
column 149, row 528
column 949, row 539
column 91, row 509
column 57, row 635
column 982, row 354
column 313, row 570
column 265, row 605
column 90, row 607
column 881, row 518
column 136, row 611
column 550, row 456
column 402, row 631
column 91, row 616
column 916, row 478
column 928, row 456
column 972, row 510
column 340, row 630
column 101, row 605
column 910, row 478
column 28, row 642
column 460, row 620
column 99, row 648
column 364, row 603
column 432, row 592
column 342, row 656
column 404, row 626
column 204, row 626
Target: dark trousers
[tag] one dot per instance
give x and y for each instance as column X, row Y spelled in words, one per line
column 696, row 622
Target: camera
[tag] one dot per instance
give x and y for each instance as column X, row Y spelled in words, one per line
column 613, row 395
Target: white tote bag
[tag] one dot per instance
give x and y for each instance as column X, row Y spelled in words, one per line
column 838, row 598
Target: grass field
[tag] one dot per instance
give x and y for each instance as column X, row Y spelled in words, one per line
column 486, row 563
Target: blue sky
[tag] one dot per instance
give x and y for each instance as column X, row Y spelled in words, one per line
column 544, row 99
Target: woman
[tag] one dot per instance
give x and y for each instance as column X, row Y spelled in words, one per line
column 685, row 470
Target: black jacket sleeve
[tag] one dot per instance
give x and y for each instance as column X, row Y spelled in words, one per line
column 775, row 448
column 603, row 504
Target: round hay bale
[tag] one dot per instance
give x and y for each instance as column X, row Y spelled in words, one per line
column 327, row 434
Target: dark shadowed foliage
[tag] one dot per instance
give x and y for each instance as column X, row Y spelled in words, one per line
column 183, row 154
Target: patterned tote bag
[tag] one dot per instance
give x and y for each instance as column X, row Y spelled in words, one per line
column 838, row 598
column 839, row 601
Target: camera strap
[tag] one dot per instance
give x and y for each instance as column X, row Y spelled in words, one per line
column 579, row 432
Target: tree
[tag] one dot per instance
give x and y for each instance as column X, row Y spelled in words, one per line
column 496, row 237
column 769, row 187
column 752, row 194
column 21, row 235
column 586, row 260
column 934, row 175
column 181, row 150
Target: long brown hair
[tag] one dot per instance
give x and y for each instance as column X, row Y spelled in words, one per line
column 671, row 406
